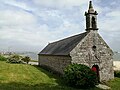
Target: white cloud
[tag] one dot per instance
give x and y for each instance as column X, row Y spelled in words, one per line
column 115, row 14
column 18, row 4
column 110, row 28
column 14, row 17
column 60, row 3
column 32, row 24
column 110, row 22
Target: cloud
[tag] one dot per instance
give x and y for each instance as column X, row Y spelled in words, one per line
column 60, row 3
column 32, row 24
column 15, row 18
column 110, row 22
column 110, row 28
column 115, row 13
column 25, row 5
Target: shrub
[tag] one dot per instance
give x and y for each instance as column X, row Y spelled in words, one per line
column 2, row 58
column 14, row 59
column 80, row 76
column 117, row 73
column 26, row 59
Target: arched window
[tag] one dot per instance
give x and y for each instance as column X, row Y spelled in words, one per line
column 93, row 22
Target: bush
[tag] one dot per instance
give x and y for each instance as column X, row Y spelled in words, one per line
column 26, row 59
column 117, row 73
column 2, row 58
column 80, row 76
column 14, row 59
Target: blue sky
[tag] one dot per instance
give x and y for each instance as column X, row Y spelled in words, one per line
column 29, row 25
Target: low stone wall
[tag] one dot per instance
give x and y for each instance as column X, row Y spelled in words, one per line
column 55, row 63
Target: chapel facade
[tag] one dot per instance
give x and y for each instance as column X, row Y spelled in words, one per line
column 87, row 48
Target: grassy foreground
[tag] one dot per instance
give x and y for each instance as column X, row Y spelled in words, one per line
column 27, row 77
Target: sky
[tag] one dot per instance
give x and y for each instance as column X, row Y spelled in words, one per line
column 29, row 25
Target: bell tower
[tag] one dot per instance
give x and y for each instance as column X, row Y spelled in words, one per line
column 91, row 18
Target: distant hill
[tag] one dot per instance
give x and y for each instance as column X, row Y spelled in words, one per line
column 34, row 56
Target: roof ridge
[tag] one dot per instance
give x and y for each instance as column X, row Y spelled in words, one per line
column 68, row 37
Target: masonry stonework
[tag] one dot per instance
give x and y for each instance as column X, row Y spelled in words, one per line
column 55, row 63
column 83, row 53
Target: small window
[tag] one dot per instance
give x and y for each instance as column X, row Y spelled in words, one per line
column 94, row 48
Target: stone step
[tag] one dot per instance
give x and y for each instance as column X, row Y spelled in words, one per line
column 104, row 87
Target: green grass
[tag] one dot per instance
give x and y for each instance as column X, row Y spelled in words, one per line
column 27, row 77
column 114, row 84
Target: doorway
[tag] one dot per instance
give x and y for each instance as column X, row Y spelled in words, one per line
column 95, row 68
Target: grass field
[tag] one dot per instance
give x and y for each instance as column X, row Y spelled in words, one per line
column 27, row 77
column 114, row 84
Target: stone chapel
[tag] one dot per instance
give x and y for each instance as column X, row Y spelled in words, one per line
column 87, row 48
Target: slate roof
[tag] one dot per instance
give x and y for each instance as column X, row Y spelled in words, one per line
column 64, row 46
